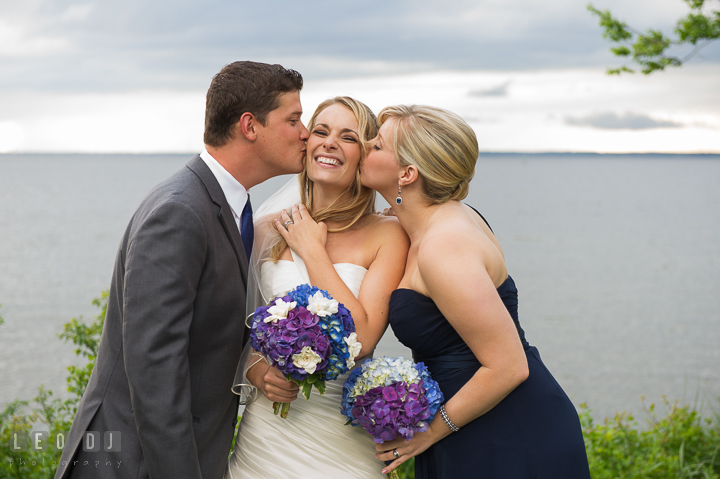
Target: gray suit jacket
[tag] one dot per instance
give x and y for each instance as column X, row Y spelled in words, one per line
column 171, row 342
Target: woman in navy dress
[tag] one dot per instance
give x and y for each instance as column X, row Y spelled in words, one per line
column 504, row 414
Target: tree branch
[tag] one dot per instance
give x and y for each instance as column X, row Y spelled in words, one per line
column 695, row 51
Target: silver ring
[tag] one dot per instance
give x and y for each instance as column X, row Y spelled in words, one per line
column 396, row 454
column 288, row 222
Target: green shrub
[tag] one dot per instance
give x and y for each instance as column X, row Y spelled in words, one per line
column 407, row 469
column 680, row 445
column 45, row 413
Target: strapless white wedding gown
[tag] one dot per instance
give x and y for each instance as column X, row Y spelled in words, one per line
column 313, row 442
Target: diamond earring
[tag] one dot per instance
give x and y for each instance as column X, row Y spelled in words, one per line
column 398, row 200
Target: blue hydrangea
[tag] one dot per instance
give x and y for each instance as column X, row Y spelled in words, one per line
column 301, row 294
column 347, row 398
column 432, row 390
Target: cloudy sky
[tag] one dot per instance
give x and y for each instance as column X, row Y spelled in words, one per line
column 107, row 76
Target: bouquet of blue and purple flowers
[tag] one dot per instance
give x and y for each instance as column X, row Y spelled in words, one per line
column 308, row 335
column 391, row 397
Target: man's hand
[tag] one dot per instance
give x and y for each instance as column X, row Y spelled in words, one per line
column 271, row 382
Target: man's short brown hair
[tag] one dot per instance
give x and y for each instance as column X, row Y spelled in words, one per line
column 242, row 87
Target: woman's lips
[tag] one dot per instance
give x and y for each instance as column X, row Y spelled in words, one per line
column 328, row 160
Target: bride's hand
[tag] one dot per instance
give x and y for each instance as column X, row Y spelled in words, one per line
column 302, row 234
column 271, row 382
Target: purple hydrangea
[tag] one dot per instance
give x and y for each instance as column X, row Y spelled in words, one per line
column 397, row 408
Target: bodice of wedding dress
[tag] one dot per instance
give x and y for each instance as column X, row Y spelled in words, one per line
column 284, row 275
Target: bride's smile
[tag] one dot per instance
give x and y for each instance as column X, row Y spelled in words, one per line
column 328, row 160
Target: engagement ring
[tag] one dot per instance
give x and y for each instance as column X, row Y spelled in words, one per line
column 288, row 222
column 396, row 454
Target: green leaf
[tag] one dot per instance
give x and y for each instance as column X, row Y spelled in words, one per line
column 320, row 386
column 615, row 30
column 695, row 28
column 618, row 71
column 660, row 64
column 621, row 51
column 306, row 389
column 695, row 4
column 652, row 43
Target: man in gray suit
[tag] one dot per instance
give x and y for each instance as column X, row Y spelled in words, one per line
column 158, row 403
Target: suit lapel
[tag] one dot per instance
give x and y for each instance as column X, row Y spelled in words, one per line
column 198, row 166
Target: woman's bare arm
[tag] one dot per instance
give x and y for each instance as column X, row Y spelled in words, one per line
column 453, row 268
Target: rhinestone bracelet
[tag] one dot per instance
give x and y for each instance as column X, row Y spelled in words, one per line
column 447, row 420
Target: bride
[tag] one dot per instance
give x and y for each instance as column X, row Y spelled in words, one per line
column 331, row 240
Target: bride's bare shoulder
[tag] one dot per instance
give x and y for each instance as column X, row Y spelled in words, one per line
column 385, row 228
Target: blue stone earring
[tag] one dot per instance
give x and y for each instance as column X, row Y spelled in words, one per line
column 398, row 200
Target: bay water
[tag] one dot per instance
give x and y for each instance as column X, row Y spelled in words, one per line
column 616, row 258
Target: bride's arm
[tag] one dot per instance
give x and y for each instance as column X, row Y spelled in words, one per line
column 370, row 309
column 269, row 380
column 382, row 278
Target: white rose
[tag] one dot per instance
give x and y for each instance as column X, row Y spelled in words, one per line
column 320, row 305
column 279, row 311
column 354, row 348
column 307, row 360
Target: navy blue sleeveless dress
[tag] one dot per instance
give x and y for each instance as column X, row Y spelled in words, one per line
column 533, row 433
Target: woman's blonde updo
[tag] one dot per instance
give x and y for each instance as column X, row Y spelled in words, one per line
column 439, row 143
column 361, row 200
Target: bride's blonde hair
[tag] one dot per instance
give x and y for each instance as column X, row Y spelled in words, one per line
column 362, row 199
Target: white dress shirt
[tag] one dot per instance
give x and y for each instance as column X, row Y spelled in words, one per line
column 235, row 193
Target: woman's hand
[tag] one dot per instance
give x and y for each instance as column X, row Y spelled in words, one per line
column 387, row 212
column 302, row 234
column 420, row 442
column 271, row 382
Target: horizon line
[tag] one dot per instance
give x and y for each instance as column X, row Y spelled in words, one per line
column 481, row 153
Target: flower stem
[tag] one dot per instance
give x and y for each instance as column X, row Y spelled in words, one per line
column 392, row 474
column 281, row 408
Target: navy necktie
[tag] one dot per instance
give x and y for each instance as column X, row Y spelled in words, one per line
column 247, row 231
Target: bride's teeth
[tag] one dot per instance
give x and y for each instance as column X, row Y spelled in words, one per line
column 328, row 161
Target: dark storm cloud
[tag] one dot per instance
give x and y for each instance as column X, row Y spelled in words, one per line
column 628, row 121
column 499, row 90
column 137, row 44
